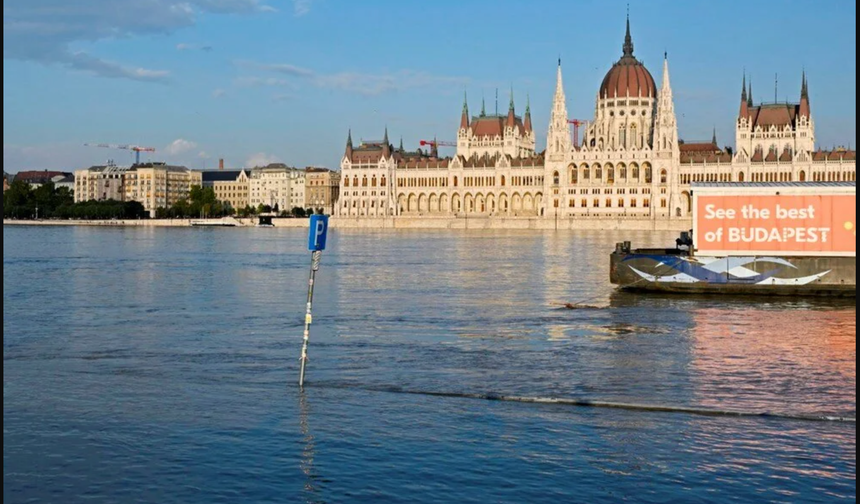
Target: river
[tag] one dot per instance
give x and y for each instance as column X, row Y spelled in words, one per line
column 160, row 365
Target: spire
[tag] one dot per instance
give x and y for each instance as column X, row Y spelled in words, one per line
column 666, row 84
column 527, row 120
column 714, row 138
column 348, row 152
column 750, row 95
column 464, row 117
column 744, row 88
column 401, row 145
column 559, row 85
column 483, row 107
column 804, row 97
column 512, row 118
column 745, row 99
column 628, row 40
column 386, row 146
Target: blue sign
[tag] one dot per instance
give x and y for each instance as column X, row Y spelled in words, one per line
column 318, row 233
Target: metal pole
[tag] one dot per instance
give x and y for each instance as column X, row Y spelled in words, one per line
column 315, row 266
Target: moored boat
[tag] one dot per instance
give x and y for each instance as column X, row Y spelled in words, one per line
column 770, row 239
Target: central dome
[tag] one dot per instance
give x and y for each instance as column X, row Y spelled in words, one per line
column 628, row 77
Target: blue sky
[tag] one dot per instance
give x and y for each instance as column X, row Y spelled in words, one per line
column 283, row 80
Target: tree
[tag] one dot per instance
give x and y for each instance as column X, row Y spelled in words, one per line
column 299, row 212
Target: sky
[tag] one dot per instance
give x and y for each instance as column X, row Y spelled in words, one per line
column 258, row 81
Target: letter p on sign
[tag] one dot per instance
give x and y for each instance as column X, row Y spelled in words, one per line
column 318, row 233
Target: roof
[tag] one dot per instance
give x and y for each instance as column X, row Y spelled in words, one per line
column 64, row 179
column 221, row 175
column 834, row 155
column 774, row 114
column 698, row 147
column 494, row 125
column 159, row 166
column 628, row 76
column 38, row 177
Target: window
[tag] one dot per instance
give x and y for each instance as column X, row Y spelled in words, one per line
column 555, row 178
column 664, row 177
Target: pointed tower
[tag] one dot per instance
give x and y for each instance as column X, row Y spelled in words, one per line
column 805, row 126
column 483, row 107
column 527, row 120
column 464, row 117
column 745, row 106
column 750, row 95
column 401, row 149
column 627, row 48
column 348, row 153
column 666, row 125
column 804, row 97
column 386, row 146
column 512, row 118
column 558, row 137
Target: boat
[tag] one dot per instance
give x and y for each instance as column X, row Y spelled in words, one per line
column 782, row 239
column 265, row 221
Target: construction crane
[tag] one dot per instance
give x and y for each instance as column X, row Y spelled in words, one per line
column 135, row 148
column 576, row 124
column 434, row 143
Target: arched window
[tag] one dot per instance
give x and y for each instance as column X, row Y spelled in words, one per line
column 555, row 178
column 741, row 177
column 574, row 176
column 610, row 175
column 456, row 181
column 383, row 181
column 373, row 181
column 586, row 174
column 355, row 181
column 649, row 177
column 598, row 173
column 364, row 181
column 664, row 177
column 346, row 181
column 503, row 181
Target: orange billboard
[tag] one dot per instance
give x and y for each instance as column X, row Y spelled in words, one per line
column 744, row 224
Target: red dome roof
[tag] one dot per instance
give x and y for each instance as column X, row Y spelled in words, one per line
column 628, row 76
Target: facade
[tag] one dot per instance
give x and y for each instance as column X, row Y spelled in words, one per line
column 298, row 191
column 322, row 189
column 158, row 185
column 631, row 163
column 232, row 188
column 100, row 183
column 277, row 186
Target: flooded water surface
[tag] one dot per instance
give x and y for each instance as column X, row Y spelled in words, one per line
column 160, row 365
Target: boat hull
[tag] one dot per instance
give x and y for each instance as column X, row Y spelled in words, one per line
column 675, row 272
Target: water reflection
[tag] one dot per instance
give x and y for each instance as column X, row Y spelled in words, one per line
column 311, row 484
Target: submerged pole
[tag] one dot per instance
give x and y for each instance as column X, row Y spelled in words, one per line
column 316, row 244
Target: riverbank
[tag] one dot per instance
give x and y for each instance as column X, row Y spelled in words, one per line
column 514, row 223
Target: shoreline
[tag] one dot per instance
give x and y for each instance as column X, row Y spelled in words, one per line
column 472, row 223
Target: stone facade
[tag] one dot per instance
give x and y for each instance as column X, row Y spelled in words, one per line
column 322, row 189
column 100, row 183
column 235, row 191
column 277, row 185
column 157, row 185
column 631, row 164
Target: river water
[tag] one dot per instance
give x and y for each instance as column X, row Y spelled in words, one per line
column 160, row 365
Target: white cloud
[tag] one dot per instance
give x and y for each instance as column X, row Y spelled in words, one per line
column 301, row 7
column 218, row 93
column 261, row 159
column 179, row 146
column 367, row 84
column 203, row 155
column 194, row 47
column 43, row 31
column 261, row 81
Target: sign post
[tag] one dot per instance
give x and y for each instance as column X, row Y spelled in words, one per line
column 316, row 244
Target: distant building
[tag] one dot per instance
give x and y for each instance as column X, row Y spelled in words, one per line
column 277, row 185
column 231, row 186
column 629, row 163
column 158, row 185
column 67, row 181
column 322, row 188
column 100, row 183
column 38, row 178
column 6, row 178
column 298, row 190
